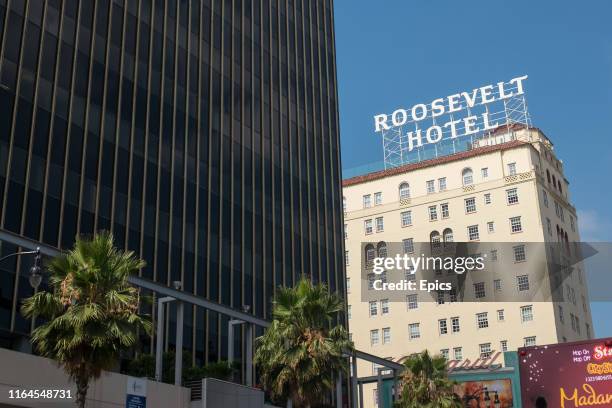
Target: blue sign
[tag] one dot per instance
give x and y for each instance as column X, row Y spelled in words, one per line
column 135, row 401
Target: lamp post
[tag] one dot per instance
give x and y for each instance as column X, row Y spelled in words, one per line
column 35, row 277
column 178, row 355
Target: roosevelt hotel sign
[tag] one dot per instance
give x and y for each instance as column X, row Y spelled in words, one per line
column 452, row 123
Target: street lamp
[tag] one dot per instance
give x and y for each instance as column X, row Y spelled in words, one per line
column 35, row 277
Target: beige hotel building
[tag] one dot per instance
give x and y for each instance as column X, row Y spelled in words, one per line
column 509, row 187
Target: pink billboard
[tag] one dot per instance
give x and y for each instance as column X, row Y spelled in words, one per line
column 567, row 375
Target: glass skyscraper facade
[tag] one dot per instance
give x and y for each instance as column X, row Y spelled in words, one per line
column 202, row 133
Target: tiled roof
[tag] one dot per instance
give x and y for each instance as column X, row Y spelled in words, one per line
column 432, row 162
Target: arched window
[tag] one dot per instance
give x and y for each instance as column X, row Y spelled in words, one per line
column 370, row 254
column 404, row 191
column 554, row 179
column 448, row 235
column 467, row 176
column 381, row 248
column 548, row 175
column 559, row 186
column 434, row 239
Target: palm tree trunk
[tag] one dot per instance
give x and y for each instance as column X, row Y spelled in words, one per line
column 81, row 391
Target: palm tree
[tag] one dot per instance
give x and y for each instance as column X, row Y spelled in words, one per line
column 425, row 383
column 300, row 353
column 91, row 311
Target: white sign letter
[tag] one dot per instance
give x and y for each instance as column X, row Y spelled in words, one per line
column 438, row 134
column 485, row 120
column 470, row 123
column 437, row 107
column 453, row 103
column 519, row 84
column 423, row 112
column 485, row 94
column 414, row 138
column 403, row 117
column 471, row 100
column 452, row 124
column 380, row 121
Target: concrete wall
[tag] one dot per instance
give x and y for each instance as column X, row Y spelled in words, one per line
column 217, row 393
column 24, row 371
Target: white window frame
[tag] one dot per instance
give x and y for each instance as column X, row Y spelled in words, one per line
column 482, row 320
column 442, row 327
column 526, row 313
column 529, row 341
column 430, row 186
column 444, row 210
column 367, row 200
column 501, row 316
column 368, row 227
column 458, row 353
column 479, row 290
column 484, row 172
column 491, row 227
column 512, row 197
column 373, row 308
column 487, row 198
column 518, row 253
column 455, row 324
column 374, row 337
column 516, row 225
column 473, row 234
column 511, row 169
column 384, row 307
column 522, row 283
column 378, row 198
column 406, row 218
column 470, row 205
column 412, row 301
column 380, row 224
column 442, row 184
column 416, row 333
column 503, row 345
column 386, row 338
column 485, row 350
column 433, row 213
column 408, row 244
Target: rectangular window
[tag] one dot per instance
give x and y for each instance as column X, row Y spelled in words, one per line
column 442, row 184
column 490, row 227
column 367, row 201
column 548, row 226
column 378, row 198
column 485, row 350
column 412, row 301
column 561, row 317
column 348, row 285
column 588, row 331
column 473, row 232
column 344, row 204
column 484, row 172
column 346, row 258
column 348, row 311
column 345, row 231
column 545, row 198
column 572, row 223
column 522, row 282
column 503, row 345
column 380, row 226
column 431, row 187
column 526, row 313
column 482, row 320
column 458, row 353
column 371, row 279
column 479, row 290
column 470, row 205
column 529, row 341
column 374, row 337
column 410, row 274
column 384, row 306
column 373, row 308
column 494, row 254
column 414, row 332
column 455, row 324
column 406, row 218
column 519, row 253
column 444, row 353
column 497, row 285
column 442, row 326
column 515, row 224
column 444, row 210
column 408, row 245
column 386, row 335
column 433, row 213
column 511, row 169
column 487, row 198
column 367, row 225
column 512, row 196
column 500, row 315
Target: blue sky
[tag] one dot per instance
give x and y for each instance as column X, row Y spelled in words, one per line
column 396, row 53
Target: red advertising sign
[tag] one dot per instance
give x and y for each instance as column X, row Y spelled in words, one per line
column 567, row 375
